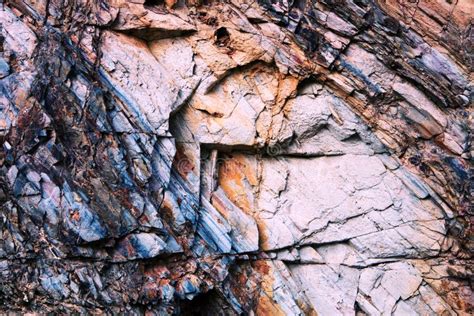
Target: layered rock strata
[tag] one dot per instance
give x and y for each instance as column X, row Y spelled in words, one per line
column 236, row 158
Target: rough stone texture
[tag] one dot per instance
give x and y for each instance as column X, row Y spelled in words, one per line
column 236, row 158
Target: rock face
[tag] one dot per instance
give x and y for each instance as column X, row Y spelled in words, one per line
column 236, row 158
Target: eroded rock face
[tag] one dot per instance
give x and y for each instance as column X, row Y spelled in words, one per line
column 242, row 157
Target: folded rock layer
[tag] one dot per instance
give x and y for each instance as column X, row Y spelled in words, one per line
column 236, row 157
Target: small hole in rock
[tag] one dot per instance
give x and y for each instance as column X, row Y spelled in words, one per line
column 222, row 37
column 154, row 2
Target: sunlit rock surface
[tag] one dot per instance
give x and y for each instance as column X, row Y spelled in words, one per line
column 236, row 158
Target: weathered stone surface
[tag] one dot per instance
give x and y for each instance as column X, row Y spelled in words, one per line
column 336, row 289
column 138, row 21
column 244, row 229
column 236, row 158
column 155, row 98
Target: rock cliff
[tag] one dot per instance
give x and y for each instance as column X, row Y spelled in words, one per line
column 236, row 157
